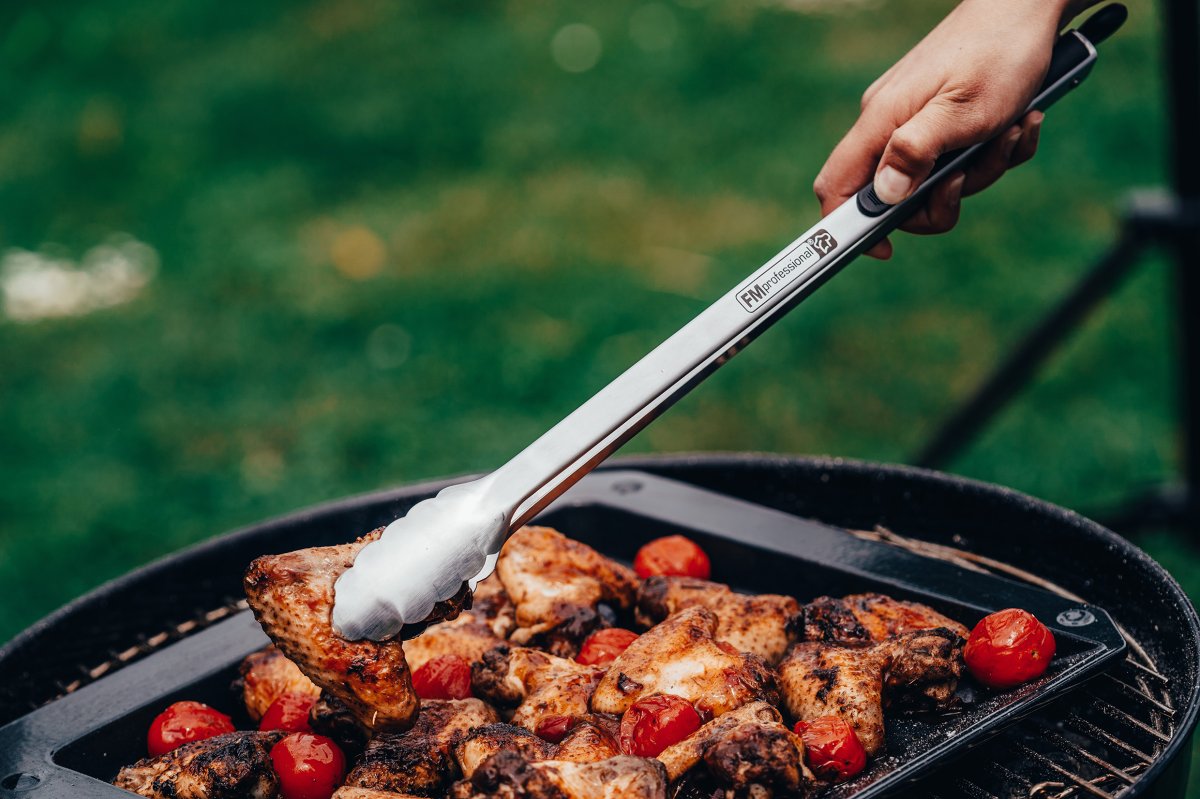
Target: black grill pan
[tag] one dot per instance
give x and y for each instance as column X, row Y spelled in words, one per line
column 74, row 745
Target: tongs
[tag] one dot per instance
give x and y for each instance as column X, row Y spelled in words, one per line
column 438, row 552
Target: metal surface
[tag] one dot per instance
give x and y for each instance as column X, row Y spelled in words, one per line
column 426, row 556
column 982, row 525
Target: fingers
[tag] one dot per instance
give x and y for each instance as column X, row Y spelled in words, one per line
column 943, row 124
column 940, row 212
column 852, row 163
column 1011, row 148
column 882, row 250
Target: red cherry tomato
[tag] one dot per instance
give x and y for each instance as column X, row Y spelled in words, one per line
column 288, row 713
column 656, row 722
column 831, row 747
column 182, row 723
column 673, row 555
column 1007, row 648
column 555, row 728
column 444, row 677
column 602, row 647
column 309, row 766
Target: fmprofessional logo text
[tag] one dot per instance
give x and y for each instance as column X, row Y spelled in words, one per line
column 779, row 274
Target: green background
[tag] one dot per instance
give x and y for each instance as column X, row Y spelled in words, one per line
column 399, row 240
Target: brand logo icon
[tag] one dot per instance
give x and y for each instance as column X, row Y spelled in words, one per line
column 822, row 242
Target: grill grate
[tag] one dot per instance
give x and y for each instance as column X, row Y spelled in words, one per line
column 145, row 645
column 1070, row 748
column 1095, row 748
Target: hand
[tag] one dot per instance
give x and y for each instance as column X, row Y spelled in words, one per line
column 966, row 82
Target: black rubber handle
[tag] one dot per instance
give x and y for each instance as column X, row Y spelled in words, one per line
column 1069, row 53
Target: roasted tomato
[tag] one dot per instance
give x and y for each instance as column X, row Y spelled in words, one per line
column 182, row 723
column 656, row 722
column 444, row 677
column 309, row 766
column 672, row 555
column 288, row 713
column 602, row 647
column 831, row 747
column 1007, row 648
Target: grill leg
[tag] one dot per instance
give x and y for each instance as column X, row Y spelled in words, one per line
column 1172, row 220
column 1023, row 362
column 1182, row 24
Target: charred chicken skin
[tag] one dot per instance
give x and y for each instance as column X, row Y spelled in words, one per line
column 421, row 760
column 861, row 618
column 292, row 598
column 236, row 765
column 557, row 586
column 495, row 738
column 509, row 775
column 747, row 751
column 764, row 624
column 917, row 670
column 682, row 657
column 539, row 686
column 585, row 743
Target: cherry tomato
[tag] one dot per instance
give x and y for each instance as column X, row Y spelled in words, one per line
column 602, row 647
column 309, row 766
column 831, row 747
column 182, row 723
column 656, row 722
column 288, row 713
column 673, row 555
column 1007, row 648
column 444, row 677
column 555, row 728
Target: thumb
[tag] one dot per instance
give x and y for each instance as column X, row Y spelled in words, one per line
column 908, row 158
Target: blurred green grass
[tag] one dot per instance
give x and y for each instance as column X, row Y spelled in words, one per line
column 399, row 240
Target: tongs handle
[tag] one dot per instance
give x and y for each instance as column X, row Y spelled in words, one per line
column 570, row 449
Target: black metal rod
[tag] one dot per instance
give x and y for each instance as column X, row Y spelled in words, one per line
column 1023, row 362
column 1181, row 23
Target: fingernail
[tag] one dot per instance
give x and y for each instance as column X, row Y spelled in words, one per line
column 956, row 189
column 1010, row 142
column 892, row 185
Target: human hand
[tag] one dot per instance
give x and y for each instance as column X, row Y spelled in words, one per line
column 964, row 83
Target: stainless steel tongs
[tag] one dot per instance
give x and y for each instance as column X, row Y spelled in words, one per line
column 454, row 538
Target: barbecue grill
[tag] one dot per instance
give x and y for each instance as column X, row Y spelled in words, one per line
column 1123, row 733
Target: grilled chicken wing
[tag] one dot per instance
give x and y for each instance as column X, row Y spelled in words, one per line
column 508, row 775
column 765, row 624
column 915, row 669
column 557, row 585
column 475, row 631
column 537, row 684
column 587, row 743
column 292, row 598
column 495, row 738
column 347, row 792
column 469, row 636
column 236, row 765
column 421, row 760
column 870, row 617
column 268, row 674
column 681, row 657
column 746, row 752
